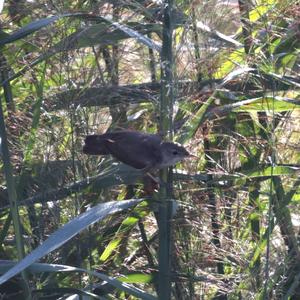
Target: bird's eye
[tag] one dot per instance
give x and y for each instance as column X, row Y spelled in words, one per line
column 175, row 152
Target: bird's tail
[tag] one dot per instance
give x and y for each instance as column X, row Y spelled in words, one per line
column 95, row 145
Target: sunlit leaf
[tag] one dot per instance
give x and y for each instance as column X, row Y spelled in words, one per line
column 137, row 278
column 262, row 7
column 272, row 171
column 69, row 230
column 230, row 62
column 276, row 104
column 126, row 226
column 120, row 283
column 112, row 246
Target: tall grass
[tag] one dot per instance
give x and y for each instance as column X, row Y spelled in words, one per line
column 228, row 89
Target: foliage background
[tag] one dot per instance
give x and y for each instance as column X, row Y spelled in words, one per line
column 67, row 70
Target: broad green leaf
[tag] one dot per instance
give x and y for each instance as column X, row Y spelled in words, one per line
column 120, row 283
column 286, row 61
column 98, row 34
column 233, row 59
column 276, row 104
column 136, row 35
column 261, row 173
column 108, row 33
column 113, row 245
column 69, row 230
column 272, row 171
column 30, row 28
column 266, row 104
column 39, row 24
column 196, row 119
column 127, row 225
column 115, row 175
column 296, row 198
column 137, row 278
column 261, row 8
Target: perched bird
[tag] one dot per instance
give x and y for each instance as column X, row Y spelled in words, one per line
column 136, row 149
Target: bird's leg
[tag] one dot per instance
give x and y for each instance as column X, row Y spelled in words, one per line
column 155, row 179
column 150, row 184
column 148, row 172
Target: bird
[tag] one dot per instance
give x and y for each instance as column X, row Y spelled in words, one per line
column 144, row 151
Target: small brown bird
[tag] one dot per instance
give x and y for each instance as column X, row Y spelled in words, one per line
column 136, row 149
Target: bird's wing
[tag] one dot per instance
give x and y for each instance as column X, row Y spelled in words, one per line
column 134, row 148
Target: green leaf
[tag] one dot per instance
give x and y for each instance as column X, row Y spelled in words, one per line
column 276, row 104
column 69, row 230
column 272, row 171
column 39, row 24
column 120, row 283
column 137, row 278
column 127, row 225
column 30, row 28
column 235, row 58
column 136, row 35
column 260, row 9
column 266, row 104
column 98, row 34
column 196, row 119
column 113, row 245
column 106, row 34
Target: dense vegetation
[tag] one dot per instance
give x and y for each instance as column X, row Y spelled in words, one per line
column 220, row 78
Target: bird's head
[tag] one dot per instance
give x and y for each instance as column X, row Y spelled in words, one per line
column 172, row 154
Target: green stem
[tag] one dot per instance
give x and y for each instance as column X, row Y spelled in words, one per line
column 12, row 196
column 166, row 112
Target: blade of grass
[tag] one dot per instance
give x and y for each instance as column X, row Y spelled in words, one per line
column 69, row 230
column 121, row 283
column 12, row 196
column 166, row 128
